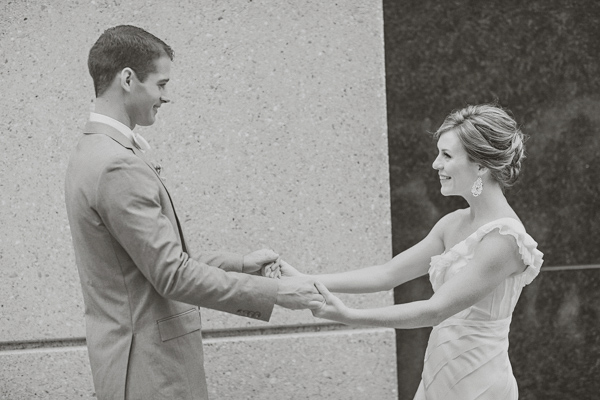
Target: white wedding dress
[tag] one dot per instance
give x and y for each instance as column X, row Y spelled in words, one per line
column 467, row 354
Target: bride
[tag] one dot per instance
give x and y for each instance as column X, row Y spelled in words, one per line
column 478, row 260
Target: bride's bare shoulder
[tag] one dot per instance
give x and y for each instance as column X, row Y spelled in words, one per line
column 451, row 221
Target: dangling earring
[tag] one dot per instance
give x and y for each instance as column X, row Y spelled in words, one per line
column 477, row 187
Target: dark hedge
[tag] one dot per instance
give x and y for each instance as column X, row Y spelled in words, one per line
column 533, row 58
column 540, row 59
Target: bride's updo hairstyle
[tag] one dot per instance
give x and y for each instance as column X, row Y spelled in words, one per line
column 491, row 138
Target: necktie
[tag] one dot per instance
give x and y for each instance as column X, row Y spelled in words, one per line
column 140, row 142
column 143, row 145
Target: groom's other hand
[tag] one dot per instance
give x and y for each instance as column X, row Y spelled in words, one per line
column 298, row 293
column 255, row 261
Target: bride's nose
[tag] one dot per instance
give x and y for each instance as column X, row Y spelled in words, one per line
column 436, row 163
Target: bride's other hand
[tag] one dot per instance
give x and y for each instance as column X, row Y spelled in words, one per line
column 272, row 270
column 333, row 308
column 287, row 271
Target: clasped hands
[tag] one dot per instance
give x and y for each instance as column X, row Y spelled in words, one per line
column 296, row 290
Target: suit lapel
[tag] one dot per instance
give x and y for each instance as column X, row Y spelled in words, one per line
column 99, row 128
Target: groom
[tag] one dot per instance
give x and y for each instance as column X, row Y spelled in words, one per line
column 140, row 284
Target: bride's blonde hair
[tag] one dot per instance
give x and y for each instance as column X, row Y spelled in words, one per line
column 491, row 138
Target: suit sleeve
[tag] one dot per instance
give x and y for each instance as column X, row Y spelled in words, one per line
column 227, row 261
column 129, row 203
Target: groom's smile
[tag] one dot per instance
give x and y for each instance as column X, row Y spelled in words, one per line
column 150, row 94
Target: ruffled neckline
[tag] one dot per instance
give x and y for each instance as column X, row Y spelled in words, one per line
column 531, row 256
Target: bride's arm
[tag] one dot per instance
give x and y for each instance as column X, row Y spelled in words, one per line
column 495, row 259
column 408, row 265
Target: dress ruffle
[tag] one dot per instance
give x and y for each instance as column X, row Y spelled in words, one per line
column 531, row 256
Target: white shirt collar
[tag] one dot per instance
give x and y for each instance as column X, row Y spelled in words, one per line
column 121, row 127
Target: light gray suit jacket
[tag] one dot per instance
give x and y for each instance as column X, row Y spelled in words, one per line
column 140, row 285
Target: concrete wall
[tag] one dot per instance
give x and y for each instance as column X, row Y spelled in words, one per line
column 276, row 136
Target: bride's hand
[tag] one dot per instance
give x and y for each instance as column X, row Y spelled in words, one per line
column 272, row 270
column 333, row 308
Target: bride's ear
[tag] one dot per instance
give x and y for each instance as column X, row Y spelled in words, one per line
column 482, row 171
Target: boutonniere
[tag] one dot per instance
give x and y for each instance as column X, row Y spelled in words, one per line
column 158, row 168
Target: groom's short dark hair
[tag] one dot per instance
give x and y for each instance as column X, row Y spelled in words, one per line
column 121, row 47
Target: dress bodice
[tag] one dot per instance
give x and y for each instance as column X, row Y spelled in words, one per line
column 501, row 302
column 467, row 354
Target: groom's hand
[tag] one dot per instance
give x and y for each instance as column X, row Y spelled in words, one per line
column 298, row 293
column 255, row 261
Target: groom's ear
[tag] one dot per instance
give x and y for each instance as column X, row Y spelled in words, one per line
column 126, row 79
